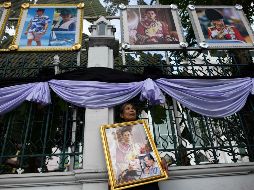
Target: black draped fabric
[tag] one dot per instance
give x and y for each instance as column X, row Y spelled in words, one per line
column 101, row 74
column 150, row 186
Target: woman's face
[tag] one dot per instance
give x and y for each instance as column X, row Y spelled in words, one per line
column 127, row 137
column 129, row 113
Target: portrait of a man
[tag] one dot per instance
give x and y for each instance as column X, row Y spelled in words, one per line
column 150, row 167
column 64, row 27
column 222, row 25
column 67, row 22
column 218, row 29
column 37, row 27
column 151, row 26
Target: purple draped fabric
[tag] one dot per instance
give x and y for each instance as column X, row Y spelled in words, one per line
column 13, row 96
column 40, row 94
column 92, row 94
column 214, row 98
column 151, row 92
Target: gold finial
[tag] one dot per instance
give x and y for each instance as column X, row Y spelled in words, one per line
column 7, row 5
column 25, row 5
column 13, row 47
column 76, row 47
column 80, row 5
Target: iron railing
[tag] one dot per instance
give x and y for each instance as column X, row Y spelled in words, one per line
column 190, row 63
column 39, row 138
column 186, row 138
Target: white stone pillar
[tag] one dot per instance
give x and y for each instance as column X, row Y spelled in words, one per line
column 100, row 54
column 100, row 57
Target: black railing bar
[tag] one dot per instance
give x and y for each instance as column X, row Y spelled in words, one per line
column 66, row 115
column 42, row 155
column 206, row 148
column 192, row 48
column 187, row 65
column 7, row 132
column 26, row 132
column 46, row 131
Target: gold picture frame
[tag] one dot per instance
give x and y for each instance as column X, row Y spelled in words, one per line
column 4, row 15
column 131, row 155
column 49, row 27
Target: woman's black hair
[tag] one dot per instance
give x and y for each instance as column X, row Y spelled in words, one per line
column 149, row 156
column 126, row 128
column 124, row 105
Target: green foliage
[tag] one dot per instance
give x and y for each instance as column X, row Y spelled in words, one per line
column 112, row 5
column 158, row 114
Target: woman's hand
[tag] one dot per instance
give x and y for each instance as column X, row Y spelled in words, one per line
column 164, row 165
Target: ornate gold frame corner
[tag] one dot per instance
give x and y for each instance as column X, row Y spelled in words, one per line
column 76, row 47
column 25, row 5
column 78, row 40
column 13, row 47
column 80, row 5
column 7, row 5
column 112, row 178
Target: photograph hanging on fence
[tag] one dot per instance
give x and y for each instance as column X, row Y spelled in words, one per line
column 221, row 26
column 49, row 27
column 131, row 155
column 4, row 15
column 151, row 27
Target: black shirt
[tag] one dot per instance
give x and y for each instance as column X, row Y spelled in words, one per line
column 150, row 186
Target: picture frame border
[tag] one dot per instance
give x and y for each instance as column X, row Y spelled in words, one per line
column 177, row 22
column 4, row 18
column 112, row 178
column 24, row 8
column 199, row 33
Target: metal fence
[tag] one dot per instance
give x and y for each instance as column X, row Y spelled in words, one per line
column 187, row 138
column 38, row 138
column 50, row 138
column 190, row 63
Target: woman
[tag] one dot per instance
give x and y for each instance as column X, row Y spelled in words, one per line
column 128, row 113
column 126, row 151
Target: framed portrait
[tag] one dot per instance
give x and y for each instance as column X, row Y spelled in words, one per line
column 131, row 155
column 49, row 27
column 154, row 27
column 4, row 15
column 221, row 27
